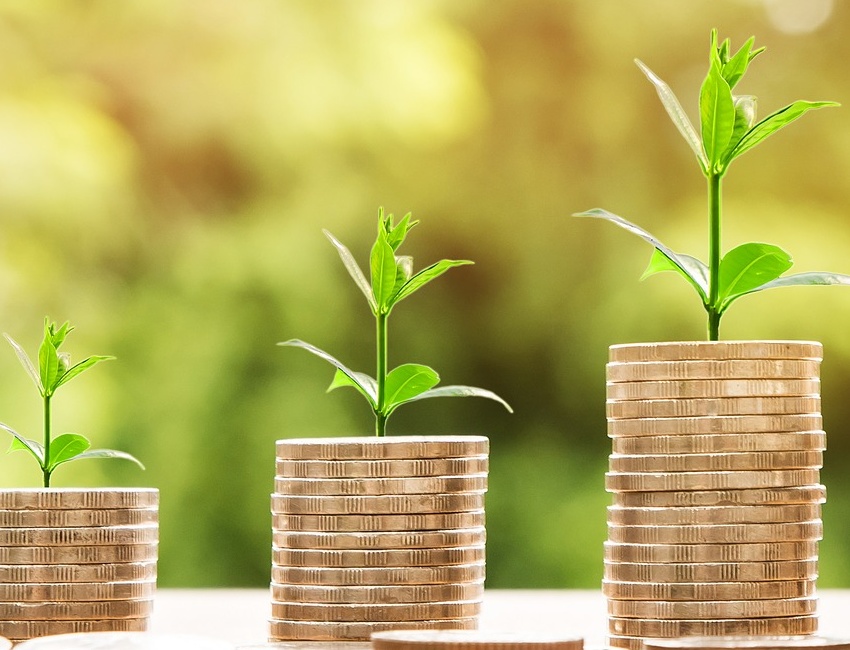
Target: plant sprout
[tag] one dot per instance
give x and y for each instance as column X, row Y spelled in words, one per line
column 728, row 130
column 392, row 280
column 55, row 370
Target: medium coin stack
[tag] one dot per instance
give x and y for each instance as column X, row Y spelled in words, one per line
column 76, row 560
column 373, row 534
column 716, row 514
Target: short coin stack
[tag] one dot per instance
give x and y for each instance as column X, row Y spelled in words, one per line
column 374, row 534
column 76, row 560
column 717, row 496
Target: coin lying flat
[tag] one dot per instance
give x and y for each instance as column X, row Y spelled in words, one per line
column 703, row 591
column 75, row 611
column 77, row 498
column 79, row 536
column 365, row 448
column 721, row 443
column 674, row 426
column 76, row 592
column 124, row 641
column 282, row 630
column 432, row 521
column 640, row 407
column 716, row 533
column 78, row 554
column 748, row 643
column 787, row 570
column 666, row 553
column 710, row 388
column 750, row 461
column 711, row 609
column 473, row 640
column 800, row 494
column 625, row 642
column 381, row 612
column 20, row 630
column 700, row 481
column 378, row 576
column 378, row 504
column 702, row 350
column 378, row 594
column 378, row 558
column 713, row 369
column 381, row 468
column 713, row 515
column 380, row 539
column 381, row 486
column 119, row 572
column 76, row 518
column 786, row 625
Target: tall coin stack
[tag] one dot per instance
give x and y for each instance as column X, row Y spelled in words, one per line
column 76, row 560
column 715, row 520
column 374, row 534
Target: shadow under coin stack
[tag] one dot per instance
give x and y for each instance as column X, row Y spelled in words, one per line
column 374, row 534
column 76, row 560
column 715, row 520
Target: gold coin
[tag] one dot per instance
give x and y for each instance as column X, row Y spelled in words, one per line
column 378, row 576
column 380, row 613
column 625, row 642
column 77, row 591
column 713, row 369
column 75, row 611
column 77, row 518
column 378, row 504
column 801, row 494
column 378, row 558
column 374, row 448
column 77, row 498
column 125, row 571
column 721, row 443
column 717, row 533
column 751, row 460
column 381, row 468
column 412, row 522
column 665, row 553
column 381, row 486
column 700, row 481
column 473, row 640
column 702, row 350
column 753, row 590
column 714, row 406
column 79, row 536
column 711, row 388
column 77, row 554
column 711, row 572
column 378, row 594
column 786, row 625
column 280, row 630
column 380, row 540
column 713, row 515
column 748, row 643
column 711, row 609
column 715, row 424
column 21, row 630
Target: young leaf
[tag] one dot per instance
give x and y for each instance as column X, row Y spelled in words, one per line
column 48, row 364
column 737, row 65
column 425, row 276
column 353, row 270
column 696, row 275
column 406, row 382
column 717, row 116
column 462, row 391
column 109, row 453
column 677, row 114
column 355, row 377
column 23, row 357
column 383, row 265
column 812, row 278
column 66, row 447
column 20, row 442
column 82, row 366
column 397, row 234
column 747, row 267
column 363, row 383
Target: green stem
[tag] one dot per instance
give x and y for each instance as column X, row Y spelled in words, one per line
column 381, row 376
column 45, row 471
column 714, row 256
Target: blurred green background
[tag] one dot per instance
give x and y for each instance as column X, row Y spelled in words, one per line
column 166, row 168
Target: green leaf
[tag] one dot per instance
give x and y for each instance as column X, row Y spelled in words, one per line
column 382, row 263
column 80, row 367
column 737, row 65
column 353, row 270
column 20, row 442
column 406, row 382
column 677, row 114
column 404, row 271
column 23, row 357
column 696, row 274
column 396, row 234
column 690, row 267
column 773, row 123
column 425, row 276
column 369, row 391
column 48, row 364
column 717, row 115
column 812, row 278
column 109, row 453
column 745, row 117
column 462, row 391
column 360, row 381
column 66, row 447
column 747, row 267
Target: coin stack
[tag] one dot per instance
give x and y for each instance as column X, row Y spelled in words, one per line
column 76, row 560
column 374, row 534
column 716, row 514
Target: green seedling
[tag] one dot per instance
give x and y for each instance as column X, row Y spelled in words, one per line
column 55, row 370
column 392, row 280
column 729, row 129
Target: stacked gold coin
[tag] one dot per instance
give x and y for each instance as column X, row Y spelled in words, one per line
column 716, row 514
column 74, row 560
column 374, row 534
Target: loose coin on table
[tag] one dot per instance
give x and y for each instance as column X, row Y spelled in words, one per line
column 748, row 643
column 472, row 640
